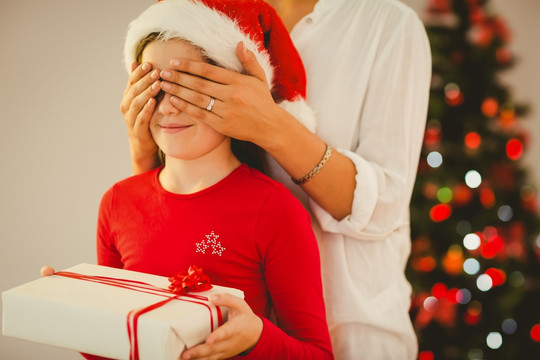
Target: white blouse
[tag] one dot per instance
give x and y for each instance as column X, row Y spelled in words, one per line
column 368, row 67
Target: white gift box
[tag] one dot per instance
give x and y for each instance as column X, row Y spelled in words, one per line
column 92, row 317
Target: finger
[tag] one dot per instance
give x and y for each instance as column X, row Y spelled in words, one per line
column 200, row 69
column 137, row 73
column 203, row 352
column 46, row 271
column 134, row 65
column 138, row 103
column 144, row 116
column 209, row 117
column 234, row 303
column 249, row 62
column 195, row 83
column 137, row 83
column 189, row 95
column 221, row 334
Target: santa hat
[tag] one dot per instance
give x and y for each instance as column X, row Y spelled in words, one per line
column 216, row 26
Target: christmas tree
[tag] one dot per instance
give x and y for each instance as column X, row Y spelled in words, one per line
column 475, row 260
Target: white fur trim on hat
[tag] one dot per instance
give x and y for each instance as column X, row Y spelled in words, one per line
column 301, row 111
column 198, row 24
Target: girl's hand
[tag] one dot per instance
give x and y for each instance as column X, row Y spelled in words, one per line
column 138, row 104
column 240, row 333
column 46, row 271
column 244, row 108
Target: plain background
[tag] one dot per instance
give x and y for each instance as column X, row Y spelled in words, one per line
column 63, row 139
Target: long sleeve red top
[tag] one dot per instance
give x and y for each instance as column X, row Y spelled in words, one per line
column 247, row 232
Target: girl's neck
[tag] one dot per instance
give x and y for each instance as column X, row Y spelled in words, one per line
column 292, row 11
column 181, row 176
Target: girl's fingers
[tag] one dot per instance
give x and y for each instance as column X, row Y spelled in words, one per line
column 138, row 102
column 46, row 271
column 144, row 116
column 136, row 85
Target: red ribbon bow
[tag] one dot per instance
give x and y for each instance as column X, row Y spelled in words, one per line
column 192, row 280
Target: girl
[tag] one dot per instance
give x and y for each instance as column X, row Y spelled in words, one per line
column 204, row 206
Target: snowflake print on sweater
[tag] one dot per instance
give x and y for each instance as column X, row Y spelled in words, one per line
column 212, row 242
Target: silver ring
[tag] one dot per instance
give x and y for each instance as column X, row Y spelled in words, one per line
column 211, row 105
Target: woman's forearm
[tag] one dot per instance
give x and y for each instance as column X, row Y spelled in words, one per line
column 298, row 151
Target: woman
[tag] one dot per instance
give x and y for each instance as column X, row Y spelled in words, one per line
column 368, row 67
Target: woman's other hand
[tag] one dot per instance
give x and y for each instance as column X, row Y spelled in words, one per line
column 137, row 106
column 241, row 332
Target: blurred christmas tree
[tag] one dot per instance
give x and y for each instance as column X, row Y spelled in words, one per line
column 475, row 261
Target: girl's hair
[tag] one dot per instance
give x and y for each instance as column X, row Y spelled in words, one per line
column 245, row 151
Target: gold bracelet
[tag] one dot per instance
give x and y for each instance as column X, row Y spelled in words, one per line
column 316, row 169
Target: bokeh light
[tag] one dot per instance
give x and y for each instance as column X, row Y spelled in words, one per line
column 471, row 266
column 487, row 198
column 444, row 195
column 454, row 96
column 473, row 140
column 490, row 107
column 516, row 279
column 440, row 212
column 505, row 213
column 484, row 282
column 509, row 326
column 514, row 149
column 463, row 296
column 431, row 303
column 434, row 159
column 492, row 247
column 494, row 340
column 473, row 179
column 535, row 333
column 426, row 355
column 463, row 227
column 471, row 241
column 439, row 290
column 498, row 276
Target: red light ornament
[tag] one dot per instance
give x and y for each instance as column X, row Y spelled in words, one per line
column 498, row 276
column 426, row 355
column 492, row 247
column 473, row 140
column 487, row 198
column 490, row 107
column 535, row 333
column 439, row 290
column 514, row 149
column 440, row 212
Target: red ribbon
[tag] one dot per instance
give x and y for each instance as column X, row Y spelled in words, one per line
column 192, row 280
column 181, row 284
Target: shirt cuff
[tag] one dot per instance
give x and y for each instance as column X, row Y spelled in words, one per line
column 364, row 202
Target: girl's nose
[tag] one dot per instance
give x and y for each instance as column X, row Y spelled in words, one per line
column 165, row 107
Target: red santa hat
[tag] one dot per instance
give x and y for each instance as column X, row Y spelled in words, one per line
column 216, row 26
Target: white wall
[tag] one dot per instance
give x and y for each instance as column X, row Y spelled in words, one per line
column 62, row 137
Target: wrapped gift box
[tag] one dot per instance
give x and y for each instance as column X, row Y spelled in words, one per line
column 91, row 317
